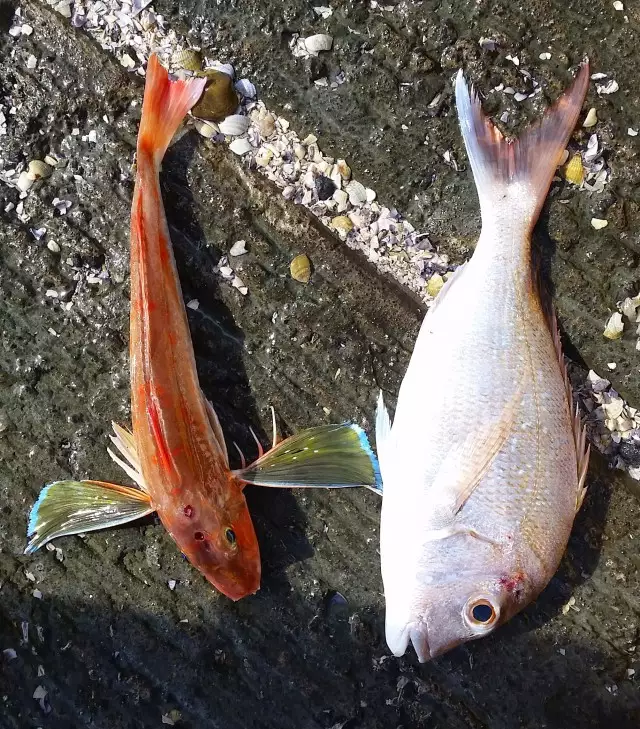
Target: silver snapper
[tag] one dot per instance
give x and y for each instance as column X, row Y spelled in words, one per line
column 484, row 465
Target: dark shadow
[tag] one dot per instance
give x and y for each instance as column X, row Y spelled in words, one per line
column 265, row 664
column 219, row 350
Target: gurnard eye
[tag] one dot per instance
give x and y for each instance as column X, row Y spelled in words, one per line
column 230, row 535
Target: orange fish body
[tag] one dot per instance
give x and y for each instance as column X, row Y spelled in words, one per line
column 177, row 453
column 182, row 456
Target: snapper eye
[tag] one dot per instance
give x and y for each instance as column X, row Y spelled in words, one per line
column 480, row 613
column 230, row 535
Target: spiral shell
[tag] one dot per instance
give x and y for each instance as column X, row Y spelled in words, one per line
column 187, row 59
column 219, row 99
column 574, row 171
column 301, row 268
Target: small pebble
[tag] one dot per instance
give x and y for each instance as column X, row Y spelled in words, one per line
column 193, row 304
column 238, row 248
column 324, row 187
column 598, row 223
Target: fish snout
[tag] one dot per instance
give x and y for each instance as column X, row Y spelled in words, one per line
column 415, row 632
column 235, row 584
column 420, row 638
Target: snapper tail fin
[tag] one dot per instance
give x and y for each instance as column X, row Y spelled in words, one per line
column 165, row 105
column 529, row 161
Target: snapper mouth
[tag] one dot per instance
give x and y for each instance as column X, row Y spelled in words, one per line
column 417, row 633
column 420, row 639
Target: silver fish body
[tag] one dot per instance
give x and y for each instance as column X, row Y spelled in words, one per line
column 484, row 465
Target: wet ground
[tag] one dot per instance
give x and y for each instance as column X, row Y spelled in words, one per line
column 96, row 624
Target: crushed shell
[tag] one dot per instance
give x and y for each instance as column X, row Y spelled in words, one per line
column 614, row 327
column 188, row 59
column 574, row 171
column 301, row 268
column 206, row 129
column 591, row 119
column 435, row 283
column 234, row 125
column 319, row 42
column 38, row 169
column 342, row 224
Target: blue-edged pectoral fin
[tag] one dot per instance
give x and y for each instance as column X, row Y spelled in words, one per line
column 73, row 507
column 327, row 456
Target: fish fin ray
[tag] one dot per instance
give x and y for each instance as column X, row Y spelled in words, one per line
column 577, row 425
column 165, row 104
column 455, row 530
column 531, row 159
column 124, row 442
column 217, row 430
column 64, row 508
column 382, row 431
column 327, row 456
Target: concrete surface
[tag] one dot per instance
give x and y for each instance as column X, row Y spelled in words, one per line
column 111, row 644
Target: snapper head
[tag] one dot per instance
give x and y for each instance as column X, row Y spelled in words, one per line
column 448, row 609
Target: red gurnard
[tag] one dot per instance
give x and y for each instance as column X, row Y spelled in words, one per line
column 177, row 453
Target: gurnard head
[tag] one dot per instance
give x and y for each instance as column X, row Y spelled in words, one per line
column 446, row 610
column 216, row 534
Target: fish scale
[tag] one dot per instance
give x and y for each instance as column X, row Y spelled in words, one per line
column 483, row 465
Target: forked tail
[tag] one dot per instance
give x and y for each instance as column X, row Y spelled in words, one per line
column 165, row 105
column 526, row 165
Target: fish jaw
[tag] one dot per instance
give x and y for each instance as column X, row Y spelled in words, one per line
column 415, row 632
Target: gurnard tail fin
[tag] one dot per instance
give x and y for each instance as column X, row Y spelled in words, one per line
column 529, row 161
column 165, row 105
column 327, row 456
column 73, row 507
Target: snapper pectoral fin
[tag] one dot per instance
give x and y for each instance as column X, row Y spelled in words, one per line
column 327, row 456
column 73, row 507
column 467, row 462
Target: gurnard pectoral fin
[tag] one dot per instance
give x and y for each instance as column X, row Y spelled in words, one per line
column 327, row 456
column 73, row 507
column 529, row 161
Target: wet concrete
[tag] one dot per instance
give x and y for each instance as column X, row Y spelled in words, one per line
column 109, row 641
